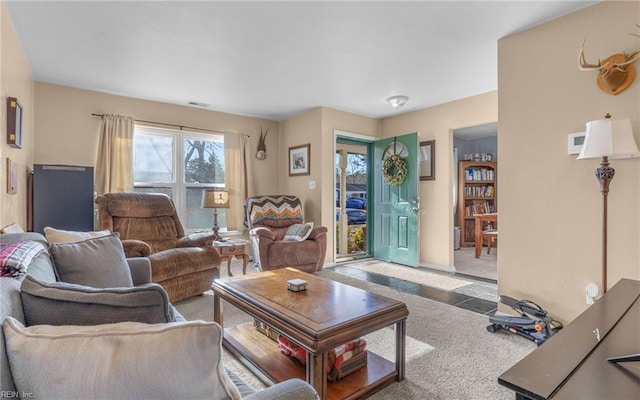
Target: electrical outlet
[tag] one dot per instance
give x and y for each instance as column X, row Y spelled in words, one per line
column 592, row 291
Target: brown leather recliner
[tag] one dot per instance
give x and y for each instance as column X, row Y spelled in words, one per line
column 149, row 226
column 269, row 218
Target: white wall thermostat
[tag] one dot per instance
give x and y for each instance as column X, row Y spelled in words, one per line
column 576, row 140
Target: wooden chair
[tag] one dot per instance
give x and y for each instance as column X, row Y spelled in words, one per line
column 491, row 236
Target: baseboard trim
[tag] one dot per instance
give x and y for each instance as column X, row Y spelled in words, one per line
column 451, row 270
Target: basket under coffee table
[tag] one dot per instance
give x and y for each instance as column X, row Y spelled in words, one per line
column 320, row 318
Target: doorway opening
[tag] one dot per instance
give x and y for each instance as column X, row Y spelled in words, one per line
column 388, row 227
column 475, row 187
column 352, row 202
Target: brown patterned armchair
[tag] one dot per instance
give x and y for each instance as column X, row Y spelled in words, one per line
column 149, row 226
column 269, row 218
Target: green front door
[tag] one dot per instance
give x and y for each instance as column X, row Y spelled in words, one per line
column 395, row 208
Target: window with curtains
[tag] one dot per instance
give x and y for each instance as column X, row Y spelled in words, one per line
column 180, row 164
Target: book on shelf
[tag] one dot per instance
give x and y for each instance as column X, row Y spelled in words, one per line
column 479, row 191
column 480, row 174
column 479, row 207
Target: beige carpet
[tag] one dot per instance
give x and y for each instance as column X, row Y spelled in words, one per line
column 415, row 275
column 450, row 354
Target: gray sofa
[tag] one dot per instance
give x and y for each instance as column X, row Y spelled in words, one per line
column 13, row 335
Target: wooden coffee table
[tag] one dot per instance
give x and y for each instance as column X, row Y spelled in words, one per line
column 321, row 318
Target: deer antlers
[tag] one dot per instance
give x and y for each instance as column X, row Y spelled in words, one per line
column 261, row 142
column 261, row 154
column 616, row 72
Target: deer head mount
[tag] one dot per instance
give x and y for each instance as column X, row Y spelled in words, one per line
column 616, row 72
column 261, row 154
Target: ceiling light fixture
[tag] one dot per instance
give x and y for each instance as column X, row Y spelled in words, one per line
column 397, row 101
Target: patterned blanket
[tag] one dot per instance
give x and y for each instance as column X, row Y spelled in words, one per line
column 268, row 210
column 338, row 357
column 16, row 257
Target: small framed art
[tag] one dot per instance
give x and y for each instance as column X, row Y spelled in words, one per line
column 428, row 160
column 14, row 123
column 300, row 160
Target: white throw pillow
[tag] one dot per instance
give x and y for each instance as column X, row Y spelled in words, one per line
column 127, row 360
column 61, row 236
column 298, row 232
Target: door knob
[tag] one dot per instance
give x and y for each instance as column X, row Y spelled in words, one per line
column 416, row 205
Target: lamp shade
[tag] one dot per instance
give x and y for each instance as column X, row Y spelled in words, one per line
column 609, row 138
column 216, row 198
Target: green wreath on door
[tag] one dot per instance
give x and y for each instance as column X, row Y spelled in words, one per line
column 394, row 170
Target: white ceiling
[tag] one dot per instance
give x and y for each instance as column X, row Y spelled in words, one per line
column 275, row 59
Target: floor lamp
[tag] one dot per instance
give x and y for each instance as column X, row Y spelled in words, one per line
column 607, row 139
column 215, row 198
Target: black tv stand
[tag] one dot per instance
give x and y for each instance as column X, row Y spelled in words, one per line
column 577, row 362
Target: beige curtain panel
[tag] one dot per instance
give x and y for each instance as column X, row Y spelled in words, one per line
column 237, row 178
column 114, row 164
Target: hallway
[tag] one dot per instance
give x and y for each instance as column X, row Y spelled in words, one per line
column 485, row 267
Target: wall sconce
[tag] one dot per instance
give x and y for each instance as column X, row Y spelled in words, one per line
column 215, row 198
column 607, row 138
column 397, row 101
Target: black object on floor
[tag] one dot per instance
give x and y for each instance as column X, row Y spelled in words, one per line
column 532, row 322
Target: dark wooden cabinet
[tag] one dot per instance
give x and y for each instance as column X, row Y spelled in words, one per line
column 477, row 194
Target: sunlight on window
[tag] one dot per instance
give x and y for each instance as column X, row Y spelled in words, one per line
column 161, row 155
column 153, row 158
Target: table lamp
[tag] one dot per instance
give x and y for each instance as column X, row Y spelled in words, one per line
column 215, row 198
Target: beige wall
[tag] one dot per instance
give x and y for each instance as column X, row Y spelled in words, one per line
column 304, row 128
column 16, row 82
column 67, row 133
column 550, row 204
column 317, row 127
column 436, row 197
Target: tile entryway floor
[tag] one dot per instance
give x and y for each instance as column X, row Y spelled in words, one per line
column 478, row 296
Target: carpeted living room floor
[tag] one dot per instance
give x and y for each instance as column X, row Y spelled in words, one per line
column 449, row 354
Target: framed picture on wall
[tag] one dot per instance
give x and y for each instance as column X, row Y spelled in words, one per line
column 300, row 160
column 14, row 123
column 427, row 157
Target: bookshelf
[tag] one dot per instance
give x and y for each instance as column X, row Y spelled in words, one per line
column 477, row 192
